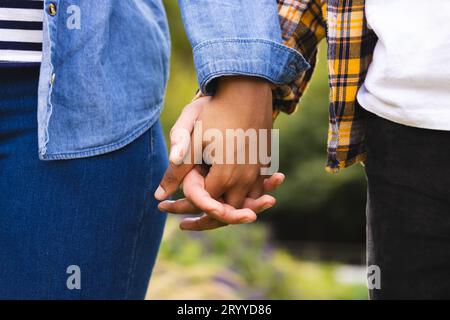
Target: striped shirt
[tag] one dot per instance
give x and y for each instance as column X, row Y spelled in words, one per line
column 21, row 31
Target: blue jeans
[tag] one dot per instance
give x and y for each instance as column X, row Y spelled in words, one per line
column 73, row 229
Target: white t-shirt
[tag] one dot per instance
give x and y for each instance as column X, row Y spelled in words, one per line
column 408, row 81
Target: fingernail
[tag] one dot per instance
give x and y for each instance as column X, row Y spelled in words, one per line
column 184, row 227
column 248, row 219
column 267, row 206
column 160, row 193
column 175, row 154
column 161, row 206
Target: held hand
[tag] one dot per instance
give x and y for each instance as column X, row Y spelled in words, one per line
column 240, row 103
column 220, row 213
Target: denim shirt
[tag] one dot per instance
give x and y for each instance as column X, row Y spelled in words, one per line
column 105, row 64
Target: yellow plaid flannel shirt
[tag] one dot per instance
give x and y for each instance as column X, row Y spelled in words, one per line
column 304, row 24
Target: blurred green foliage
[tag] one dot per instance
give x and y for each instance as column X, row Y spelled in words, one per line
column 242, row 261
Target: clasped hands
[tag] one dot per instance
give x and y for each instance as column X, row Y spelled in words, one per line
column 220, row 192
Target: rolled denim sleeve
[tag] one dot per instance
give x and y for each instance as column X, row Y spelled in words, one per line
column 238, row 37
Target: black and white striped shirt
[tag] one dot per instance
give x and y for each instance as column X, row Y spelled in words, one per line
column 21, row 30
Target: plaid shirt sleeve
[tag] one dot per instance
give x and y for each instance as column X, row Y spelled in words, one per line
column 350, row 47
column 303, row 27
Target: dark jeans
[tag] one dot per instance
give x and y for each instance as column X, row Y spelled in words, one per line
column 96, row 213
column 408, row 209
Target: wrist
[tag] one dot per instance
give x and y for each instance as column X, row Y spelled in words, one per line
column 242, row 84
column 245, row 92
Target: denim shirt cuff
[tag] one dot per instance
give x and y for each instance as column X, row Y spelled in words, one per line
column 267, row 59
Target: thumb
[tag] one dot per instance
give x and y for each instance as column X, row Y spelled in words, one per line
column 180, row 141
column 172, row 179
column 180, row 134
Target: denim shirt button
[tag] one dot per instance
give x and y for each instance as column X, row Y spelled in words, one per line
column 52, row 9
column 52, row 79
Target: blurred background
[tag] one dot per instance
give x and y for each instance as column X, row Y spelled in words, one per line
column 311, row 245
